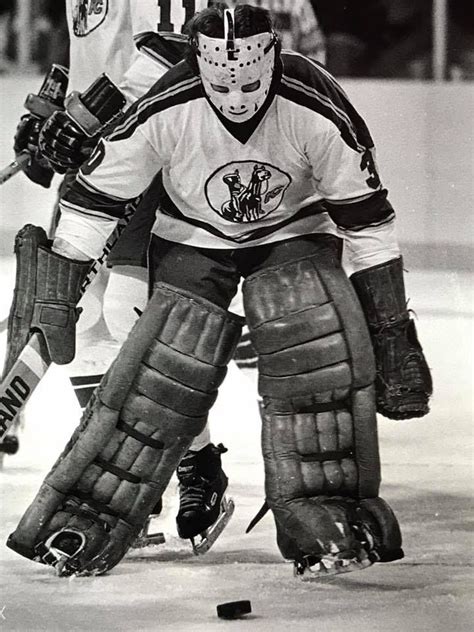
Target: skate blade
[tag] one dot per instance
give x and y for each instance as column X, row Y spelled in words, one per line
column 148, row 539
column 328, row 567
column 209, row 536
column 145, row 538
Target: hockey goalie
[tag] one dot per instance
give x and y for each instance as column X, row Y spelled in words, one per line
column 267, row 170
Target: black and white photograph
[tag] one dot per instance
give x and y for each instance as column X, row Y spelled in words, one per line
column 236, row 315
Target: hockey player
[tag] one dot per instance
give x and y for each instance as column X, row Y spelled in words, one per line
column 66, row 148
column 121, row 40
column 265, row 162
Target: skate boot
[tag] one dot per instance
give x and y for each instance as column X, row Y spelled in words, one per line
column 204, row 511
column 375, row 538
column 146, row 537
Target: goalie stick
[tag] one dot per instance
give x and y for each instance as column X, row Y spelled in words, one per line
column 33, row 362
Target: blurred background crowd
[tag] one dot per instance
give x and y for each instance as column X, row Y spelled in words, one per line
column 362, row 38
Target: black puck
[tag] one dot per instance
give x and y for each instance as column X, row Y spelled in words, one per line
column 234, row 609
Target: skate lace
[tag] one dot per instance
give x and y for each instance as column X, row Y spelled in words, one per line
column 192, row 492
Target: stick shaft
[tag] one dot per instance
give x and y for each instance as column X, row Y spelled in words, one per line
column 14, row 167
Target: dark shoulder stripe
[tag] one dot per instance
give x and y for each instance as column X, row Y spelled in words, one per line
column 179, row 85
column 166, row 48
column 309, row 84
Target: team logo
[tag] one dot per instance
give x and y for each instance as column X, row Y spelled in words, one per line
column 246, row 191
column 87, row 15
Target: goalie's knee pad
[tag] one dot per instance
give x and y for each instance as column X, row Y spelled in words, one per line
column 152, row 402
column 317, row 371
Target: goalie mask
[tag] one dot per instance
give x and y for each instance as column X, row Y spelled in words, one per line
column 236, row 73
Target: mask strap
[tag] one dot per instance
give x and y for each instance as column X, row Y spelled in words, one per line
column 229, row 33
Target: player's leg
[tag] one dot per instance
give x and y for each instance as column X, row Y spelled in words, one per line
column 320, row 446
column 204, row 510
column 153, row 400
column 202, row 495
column 245, row 354
column 202, row 482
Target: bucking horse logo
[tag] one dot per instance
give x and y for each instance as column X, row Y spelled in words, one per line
column 251, row 191
column 87, row 15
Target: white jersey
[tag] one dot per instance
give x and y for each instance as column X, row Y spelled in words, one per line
column 102, row 36
column 230, row 185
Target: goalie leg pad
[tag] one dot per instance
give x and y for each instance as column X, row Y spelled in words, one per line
column 47, row 289
column 152, row 402
column 319, row 435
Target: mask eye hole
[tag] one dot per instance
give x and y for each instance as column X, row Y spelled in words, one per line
column 251, row 87
column 218, row 88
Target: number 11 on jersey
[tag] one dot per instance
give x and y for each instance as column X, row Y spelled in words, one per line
column 175, row 13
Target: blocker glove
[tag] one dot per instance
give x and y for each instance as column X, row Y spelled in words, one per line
column 26, row 139
column 63, row 144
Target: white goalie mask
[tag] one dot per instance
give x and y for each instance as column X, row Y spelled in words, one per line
column 236, row 73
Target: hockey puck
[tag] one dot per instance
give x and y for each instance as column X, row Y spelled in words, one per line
column 234, row 609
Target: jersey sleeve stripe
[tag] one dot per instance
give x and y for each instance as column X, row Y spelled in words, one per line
column 308, row 84
column 143, row 109
column 322, row 103
column 80, row 210
column 95, row 191
column 89, row 201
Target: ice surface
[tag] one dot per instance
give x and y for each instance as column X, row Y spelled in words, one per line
column 427, row 478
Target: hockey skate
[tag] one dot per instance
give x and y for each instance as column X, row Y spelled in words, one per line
column 146, row 537
column 373, row 542
column 310, row 569
column 204, row 510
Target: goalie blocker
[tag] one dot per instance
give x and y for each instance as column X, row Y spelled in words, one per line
column 47, row 289
column 320, row 446
column 403, row 381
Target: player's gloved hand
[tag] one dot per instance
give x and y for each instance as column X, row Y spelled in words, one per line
column 64, row 144
column 26, row 139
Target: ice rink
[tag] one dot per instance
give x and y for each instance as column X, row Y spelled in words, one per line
column 427, row 470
